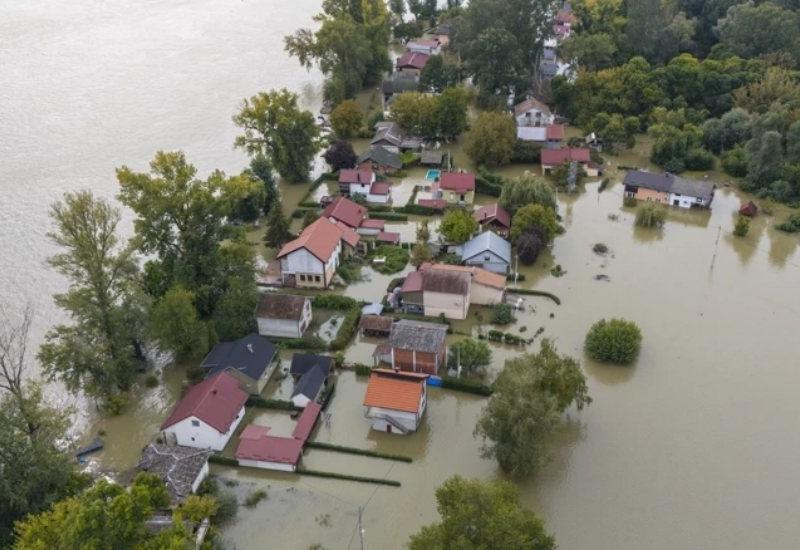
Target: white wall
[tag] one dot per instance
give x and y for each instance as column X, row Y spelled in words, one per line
column 266, row 465
column 452, row 305
column 200, row 477
column 302, row 261
column 408, row 420
column 685, row 201
column 495, row 262
column 283, row 328
column 202, row 436
column 381, row 199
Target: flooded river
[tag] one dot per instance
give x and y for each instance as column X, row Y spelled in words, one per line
column 693, row 447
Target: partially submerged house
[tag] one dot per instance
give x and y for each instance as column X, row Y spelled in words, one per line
column 533, row 112
column 283, row 315
column 430, row 46
column 493, row 217
column 377, row 326
column 486, row 288
column 489, row 251
column 251, row 359
column 390, row 136
column 415, row 346
column 182, row 469
column 312, row 258
column 550, row 137
column 553, row 158
column 668, row 189
column 345, row 211
column 355, row 181
column 207, row 416
column 310, row 373
column 380, row 160
column 445, row 293
column 396, row 401
column 455, row 188
column 397, row 84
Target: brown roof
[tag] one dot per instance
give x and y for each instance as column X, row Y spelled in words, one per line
column 320, row 238
column 380, row 188
column 413, row 60
column 388, row 237
column 348, row 234
column 373, row 224
column 555, row 132
column 552, row 157
column 376, row 322
column 479, row 275
column 457, row 181
column 493, row 212
column 446, row 282
column 346, row 211
column 412, row 283
column 216, row 401
column 355, row 176
column 399, row 391
column 531, row 103
column 281, row 306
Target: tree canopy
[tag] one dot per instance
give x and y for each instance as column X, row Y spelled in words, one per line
column 491, row 139
column 458, row 225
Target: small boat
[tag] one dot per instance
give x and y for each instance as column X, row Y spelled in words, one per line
column 92, row 447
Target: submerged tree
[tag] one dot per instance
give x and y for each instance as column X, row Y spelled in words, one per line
column 277, row 227
column 477, row 515
column 95, row 353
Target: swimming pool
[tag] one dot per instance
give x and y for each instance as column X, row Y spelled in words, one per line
column 433, row 175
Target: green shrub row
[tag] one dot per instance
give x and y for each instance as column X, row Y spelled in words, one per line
column 457, row 384
column 362, row 370
column 278, row 404
column 388, row 216
column 224, row 460
column 362, row 479
column 417, row 210
column 504, row 337
column 300, row 212
column 347, row 330
column 334, row 301
column 379, row 208
column 308, row 342
column 531, row 292
column 356, row 451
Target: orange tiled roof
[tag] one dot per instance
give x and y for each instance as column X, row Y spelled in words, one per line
column 479, row 275
column 320, row 238
column 399, row 391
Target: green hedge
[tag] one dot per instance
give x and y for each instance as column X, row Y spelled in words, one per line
column 347, row 330
column 362, row 370
column 356, row 451
column 300, row 212
column 388, row 216
column 450, row 383
column 307, row 342
column 530, row 292
column 224, row 460
column 334, row 301
column 379, row 208
column 333, row 475
column 417, row 210
column 261, row 403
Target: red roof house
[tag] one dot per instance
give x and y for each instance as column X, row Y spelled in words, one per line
column 356, row 176
column 310, row 259
column 494, row 217
column 396, row 401
column 388, row 237
column 412, row 61
column 268, row 452
column 345, row 211
column 750, row 209
column 555, row 132
column 208, row 414
column 460, row 182
column 552, row 158
column 321, row 239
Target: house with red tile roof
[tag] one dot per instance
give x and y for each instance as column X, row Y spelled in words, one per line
column 553, row 158
column 209, row 413
column 380, row 192
column 455, row 188
column 396, row 401
column 371, row 227
column 412, row 63
column 494, row 218
column 346, row 211
column 312, row 258
column 355, row 181
column 430, row 46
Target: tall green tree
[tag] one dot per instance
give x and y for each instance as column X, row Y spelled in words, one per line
column 458, row 225
column 530, row 395
column 277, row 227
column 751, row 29
column 535, row 216
column 347, row 120
column 527, row 189
column 274, row 126
column 477, row 515
column 491, row 139
column 261, row 168
column 95, row 352
column 471, row 355
column 451, row 112
column 233, row 316
column 439, row 73
column 176, row 326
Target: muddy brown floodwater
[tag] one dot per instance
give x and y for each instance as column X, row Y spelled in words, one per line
column 695, row 446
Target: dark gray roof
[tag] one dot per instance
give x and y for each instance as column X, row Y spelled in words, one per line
column 382, row 156
column 177, row 466
column 670, row 183
column 250, row 355
column 447, row 282
column 304, row 362
column 431, row 157
column 310, row 383
column 418, row 335
column 388, row 132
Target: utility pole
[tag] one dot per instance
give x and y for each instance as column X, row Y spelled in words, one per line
column 360, row 528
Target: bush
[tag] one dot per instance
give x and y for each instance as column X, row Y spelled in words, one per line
column 347, row 330
column 349, row 272
column 502, row 314
column 614, row 341
column 362, row 370
column 699, row 159
column 742, row 226
column 457, row 384
column 278, row 404
column 334, row 301
column 488, row 184
column 734, row 162
column 396, row 259
column 388, row 216
column 630, row 202
column 791, row 225
column 151, row 380
column 651, row 215
column 255, row 497
column 227, row 507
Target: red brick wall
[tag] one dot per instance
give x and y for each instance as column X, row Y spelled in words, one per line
column 426, row 362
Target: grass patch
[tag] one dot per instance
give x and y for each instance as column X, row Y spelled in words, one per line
column 347, row 330
column 396, row 259
column 362, row 370
column 254, row 498
column 356, row 451
column 334, row 301
column 350, row 272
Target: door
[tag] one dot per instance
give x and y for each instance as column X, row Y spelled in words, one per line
column 388, row 428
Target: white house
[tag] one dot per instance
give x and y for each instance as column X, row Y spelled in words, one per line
column 533, row 112
column 380, row 193
column 429, row 46
column 312, row 258
column 396, row 401
column 182, row 469
column 489, row 251
column 209, row 413
column 486, row 288
column 356, row 181
column 283, row 315
column 310, row 371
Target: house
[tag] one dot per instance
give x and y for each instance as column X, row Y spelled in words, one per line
column 489, row 251
column 553, row 158
column 209, row 413
column 442, row 34
column 311, row 259
column 380, row 193
column 486, row 288
column 380, row 161
column 493, row 217
column 355, row 181
column 396, row 401
column 533, row 112
column 431, row 158
column 429, row 46
column 258, row 449
column 251, row 359
column 668, row 189
column 412, row 63
column 350, row 240
column 283, row 315
column 455, row 187
column 446, row 292
column 346, row 211
column 308, row 388
column 550, row 137
column 371, row 228
column 303, row 363
column 388, row 237
column 397, row 84
column 376, row 326
column 389, row 136
column 411, row 293
column 417, row 346
column 182, row 469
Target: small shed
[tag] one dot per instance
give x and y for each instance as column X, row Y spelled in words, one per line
column 182, row 469
column 375, row 325
column 431, row 158
column 750, row 210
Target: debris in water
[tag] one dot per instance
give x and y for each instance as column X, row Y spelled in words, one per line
column 602, row 277
column 600, row 249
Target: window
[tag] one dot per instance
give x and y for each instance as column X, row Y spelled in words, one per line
column 192, row 439
column 317, row 278
column 302, row 277
column 196, row 424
